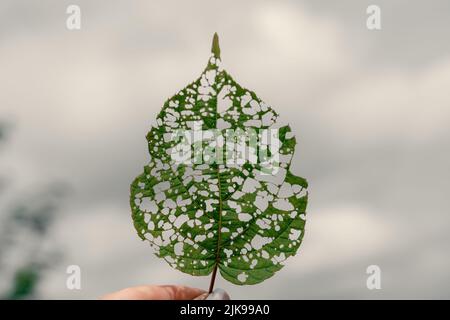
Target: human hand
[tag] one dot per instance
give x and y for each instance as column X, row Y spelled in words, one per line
column 167, row 292
column 217, row 294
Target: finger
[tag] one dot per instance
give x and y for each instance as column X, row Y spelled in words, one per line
column 218, row 294
column 203, row 296
column 167, row 292
column 182, row 292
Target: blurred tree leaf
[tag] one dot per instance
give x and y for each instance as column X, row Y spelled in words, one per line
column 27, row 218
column 24, row 283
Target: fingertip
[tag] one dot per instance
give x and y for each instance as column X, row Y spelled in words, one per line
column 187, row 293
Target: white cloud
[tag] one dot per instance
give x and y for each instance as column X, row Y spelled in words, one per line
column 341, row 235
column 410, row 106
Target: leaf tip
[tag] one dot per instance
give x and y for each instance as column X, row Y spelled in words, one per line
column 215, row 49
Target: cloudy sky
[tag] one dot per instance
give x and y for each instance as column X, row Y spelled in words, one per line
column 370, row 110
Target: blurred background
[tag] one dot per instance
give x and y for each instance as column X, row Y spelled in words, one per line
column 370, row 110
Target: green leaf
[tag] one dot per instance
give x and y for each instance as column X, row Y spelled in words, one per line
column 25, row 281
column 243, row 218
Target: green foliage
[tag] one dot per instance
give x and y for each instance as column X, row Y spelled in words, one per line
column 24, row 283
column 24, row 227
column 209, row 215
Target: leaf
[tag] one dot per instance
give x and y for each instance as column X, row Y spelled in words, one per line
column 244, row 219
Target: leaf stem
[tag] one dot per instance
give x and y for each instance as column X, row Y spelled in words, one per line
column 213, row 279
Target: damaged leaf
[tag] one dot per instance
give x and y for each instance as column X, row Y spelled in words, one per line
column 218, row 193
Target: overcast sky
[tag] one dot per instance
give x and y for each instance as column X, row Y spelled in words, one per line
column 370, row 110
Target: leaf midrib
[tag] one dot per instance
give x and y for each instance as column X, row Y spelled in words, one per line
column 219, row 224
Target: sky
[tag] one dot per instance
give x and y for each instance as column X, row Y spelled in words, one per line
column 370, row 110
